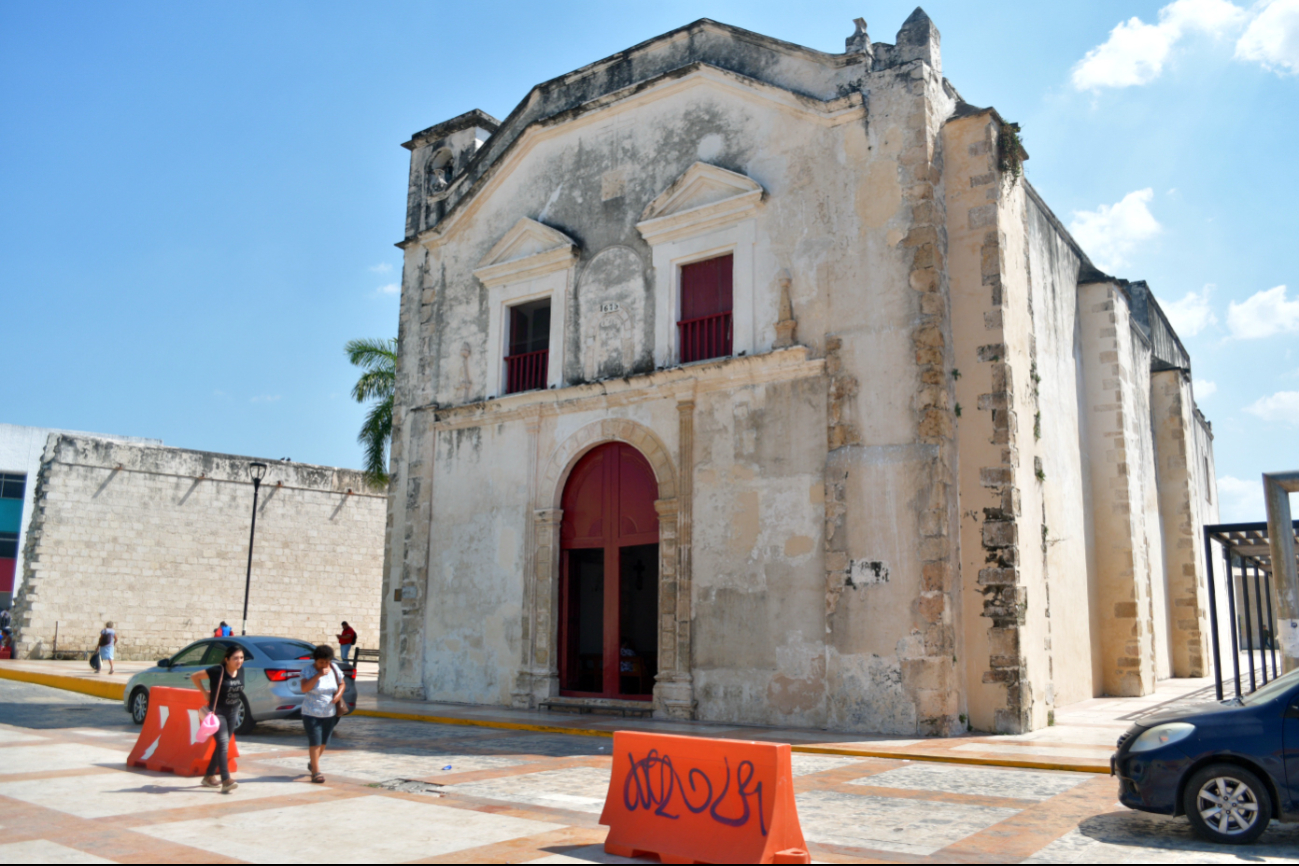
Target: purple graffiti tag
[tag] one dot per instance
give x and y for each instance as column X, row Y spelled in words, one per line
column 656, row 781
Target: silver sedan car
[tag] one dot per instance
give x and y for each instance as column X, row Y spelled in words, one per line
column 271, row 667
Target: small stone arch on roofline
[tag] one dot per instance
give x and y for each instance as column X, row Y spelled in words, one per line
column 636, row 435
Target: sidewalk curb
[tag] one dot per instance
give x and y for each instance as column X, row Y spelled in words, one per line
column 115, row 691
column 808, row 750
column 98, row 688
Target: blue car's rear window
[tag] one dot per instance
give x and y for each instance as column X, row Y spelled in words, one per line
column 284, row 650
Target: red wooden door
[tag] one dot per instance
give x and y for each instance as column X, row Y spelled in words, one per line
column 609, row 531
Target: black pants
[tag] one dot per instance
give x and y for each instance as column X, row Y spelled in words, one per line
column 221, row 755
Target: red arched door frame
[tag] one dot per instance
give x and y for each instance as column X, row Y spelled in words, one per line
column 608, row 505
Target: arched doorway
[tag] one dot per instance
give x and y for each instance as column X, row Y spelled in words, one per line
column 608, row 597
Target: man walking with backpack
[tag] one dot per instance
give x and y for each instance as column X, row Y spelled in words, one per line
column 107, row 645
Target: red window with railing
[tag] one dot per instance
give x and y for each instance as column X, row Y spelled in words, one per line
column 527, row 362
column 705, row 327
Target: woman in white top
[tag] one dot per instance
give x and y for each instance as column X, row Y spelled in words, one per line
column 322, row 688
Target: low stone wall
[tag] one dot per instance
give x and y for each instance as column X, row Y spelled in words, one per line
column 156, row 540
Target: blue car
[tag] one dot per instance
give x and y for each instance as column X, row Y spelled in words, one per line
column 1229, row 767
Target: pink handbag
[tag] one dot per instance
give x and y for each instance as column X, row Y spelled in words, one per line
column 210, row 724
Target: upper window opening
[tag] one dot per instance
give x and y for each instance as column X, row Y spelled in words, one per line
column 439, row 171
column 528, row 358
column 12, row 486
column 706, row 302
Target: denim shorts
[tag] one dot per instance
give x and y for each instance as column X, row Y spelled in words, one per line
column 319, row 730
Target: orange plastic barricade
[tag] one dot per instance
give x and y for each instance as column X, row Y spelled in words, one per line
column 168, row 741
column 697, row 800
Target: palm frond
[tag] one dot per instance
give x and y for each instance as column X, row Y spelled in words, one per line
column 370, row 354
column 377, row 358
column 375, row 434
column 374, row 385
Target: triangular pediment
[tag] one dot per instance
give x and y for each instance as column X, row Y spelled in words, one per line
column 527, row 251
column 699, row 186
column 527, row 238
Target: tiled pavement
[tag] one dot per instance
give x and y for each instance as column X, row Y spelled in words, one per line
column 508, row 796
column 1082, row 738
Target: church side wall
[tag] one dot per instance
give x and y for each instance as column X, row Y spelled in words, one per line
column 156, row 540
column 1053, row 451
column 1183, row 507
column 1116, row 376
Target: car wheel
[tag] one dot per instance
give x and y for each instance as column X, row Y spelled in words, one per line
column 244, row 721
column 139, row 706
column 1227, row 804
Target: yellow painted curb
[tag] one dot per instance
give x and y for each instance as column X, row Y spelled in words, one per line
column 114, row 691
column 954, row 759
column 810, row 750
column 98, row 688
column 480, row 723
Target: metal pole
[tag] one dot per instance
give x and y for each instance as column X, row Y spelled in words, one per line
column 1271, row 624
column 1231, row 618
column 1213, row 614
column 248, row 577
column 1262, row 628
column 1249, row 627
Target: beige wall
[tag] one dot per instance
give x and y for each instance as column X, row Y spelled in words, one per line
column 156, row 540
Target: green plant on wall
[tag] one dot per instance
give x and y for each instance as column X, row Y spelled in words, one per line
column 1010, row 151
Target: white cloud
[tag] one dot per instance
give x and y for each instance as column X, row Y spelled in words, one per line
column 1110, row 232
column 1240, row 501
column 1263, row 314
column 1135, row 51
column 1281, row 407
column 1204, row 388
column 381, row 268
column 1272, row 39
column 1192, row 314
column 265, row 398
column 389, row 289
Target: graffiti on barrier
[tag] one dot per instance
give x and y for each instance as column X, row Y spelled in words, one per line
column 653, row 783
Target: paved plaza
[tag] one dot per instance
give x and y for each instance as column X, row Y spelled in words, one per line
column 406, row 791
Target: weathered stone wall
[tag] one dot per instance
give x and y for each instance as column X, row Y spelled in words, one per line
column 156, row 540
column 1181, row 445
column 826, row 558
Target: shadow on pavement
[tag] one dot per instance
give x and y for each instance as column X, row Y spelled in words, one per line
column 27, row 705
column 1139, row 831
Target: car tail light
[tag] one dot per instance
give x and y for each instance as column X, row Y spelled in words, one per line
column 279, row 675
column 351, row 675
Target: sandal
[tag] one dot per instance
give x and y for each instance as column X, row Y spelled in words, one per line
column 318, row 778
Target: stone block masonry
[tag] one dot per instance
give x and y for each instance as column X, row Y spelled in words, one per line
column 156, row 540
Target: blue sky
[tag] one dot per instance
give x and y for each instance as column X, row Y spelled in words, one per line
column 200, row 201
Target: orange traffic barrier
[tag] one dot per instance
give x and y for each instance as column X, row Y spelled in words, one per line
column 697, row 800
column 168, row 741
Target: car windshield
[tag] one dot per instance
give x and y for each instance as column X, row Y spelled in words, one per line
column 1272, row 690
column 284, row 650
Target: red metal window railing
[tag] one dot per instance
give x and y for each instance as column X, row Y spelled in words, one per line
column 704, row 338
column 526, row 372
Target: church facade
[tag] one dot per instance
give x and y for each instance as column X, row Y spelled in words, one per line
column 754, row 384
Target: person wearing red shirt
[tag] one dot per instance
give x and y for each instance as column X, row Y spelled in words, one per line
column 346, row 639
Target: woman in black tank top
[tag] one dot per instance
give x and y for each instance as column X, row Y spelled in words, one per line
column 224, row 690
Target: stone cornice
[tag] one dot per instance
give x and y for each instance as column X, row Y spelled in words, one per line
column 723, row 374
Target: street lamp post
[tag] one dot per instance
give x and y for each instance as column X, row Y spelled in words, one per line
column 257, row 471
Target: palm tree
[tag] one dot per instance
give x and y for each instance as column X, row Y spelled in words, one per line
column 378, row 360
